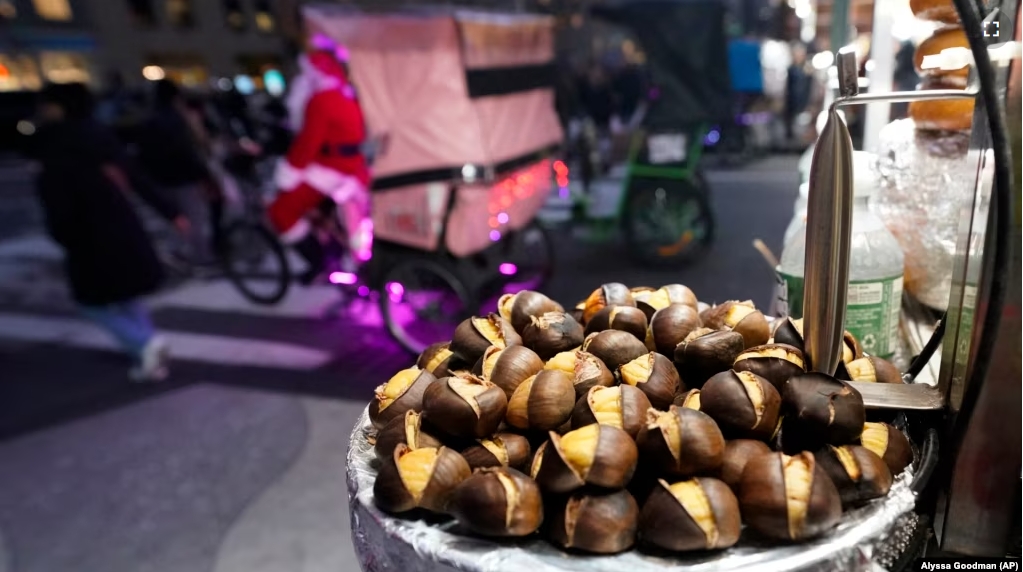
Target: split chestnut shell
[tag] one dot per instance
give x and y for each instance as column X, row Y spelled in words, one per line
column 621, row 406
column 419, row 478
column 744, row 404
column 654, row 375
column 474, row 335
column 788, row 498
column 820, row 409
column 403, row 392
column 740, row 317
column 597, row 455
column 465, row 406
column 888, row 443
column 404, row 430
column 498, row 502
column 585, row 369
column 518, row 308
column 670, row 326
column 543, row 402
column 551, row 334
column 501, row 450
column 610, row 294
column 706, row 352
column 681, row 442
column 508, row 367
column 597, row 523
column 774, row 362
column 614, row 347
column 697, row 514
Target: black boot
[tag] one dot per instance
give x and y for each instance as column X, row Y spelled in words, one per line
column 312, row 252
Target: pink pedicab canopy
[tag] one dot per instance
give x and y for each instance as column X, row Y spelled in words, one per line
column 453, row 93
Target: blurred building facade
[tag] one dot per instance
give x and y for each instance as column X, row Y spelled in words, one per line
column 44, row 40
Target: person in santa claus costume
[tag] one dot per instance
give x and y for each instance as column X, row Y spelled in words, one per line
column 325, row 160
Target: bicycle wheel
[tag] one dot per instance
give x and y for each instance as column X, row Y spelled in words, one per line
column 422, row 303
column 530, row 257
column 667, row 222
column 255, row 262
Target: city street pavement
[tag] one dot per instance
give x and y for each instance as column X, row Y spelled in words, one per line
column 237, row 463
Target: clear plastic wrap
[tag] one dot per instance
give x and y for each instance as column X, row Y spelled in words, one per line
column 925, row 180
column 867, row 539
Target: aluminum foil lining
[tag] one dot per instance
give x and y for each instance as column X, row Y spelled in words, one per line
column 926, row 178
column 864, row 541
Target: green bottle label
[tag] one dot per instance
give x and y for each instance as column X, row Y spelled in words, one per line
column 872, row 310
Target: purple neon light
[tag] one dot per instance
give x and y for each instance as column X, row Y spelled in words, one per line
column 395, row 291
column 507, row 268
column 363, row 291
column 562, row 192
column 343, row 278
column 495, row 235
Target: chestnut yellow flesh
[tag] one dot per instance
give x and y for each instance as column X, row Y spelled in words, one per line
column 490, row 361
column 411, row 434
column 875, row 438
column 565, row 361
column 692, row 400
column 579, row 448
column 572, row 510
column 468, row 391
column 638, row 370
column 798, row 325
column 497, row 449
column 737, row 312
column 669, row 425
column 862, row 370
column 518, row 405
column 692, row 498
column 504, row 305
column 798, row 476
column 754, row 391
column 606, row 404
column 440, row 357
column 698, row 333
column 511, row 497
column 396, row 386
column 415, row 469
column 658, row 299
column 847, row 354
column 489, row 330
column 773, row 352
column 534, row 468
column 852, row 468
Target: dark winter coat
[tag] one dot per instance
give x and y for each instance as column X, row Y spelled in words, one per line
column 108, row 255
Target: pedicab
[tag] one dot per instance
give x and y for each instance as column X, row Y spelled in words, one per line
column 663, row 208
column 464, row 104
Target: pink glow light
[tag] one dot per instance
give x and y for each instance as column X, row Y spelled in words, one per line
column 495, row 235
column 507, row 268
column 363, row 291
column 395, row 291
column 343, row 278
column 502, row 218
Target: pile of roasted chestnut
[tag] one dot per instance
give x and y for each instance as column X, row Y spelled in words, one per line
column 534, row 417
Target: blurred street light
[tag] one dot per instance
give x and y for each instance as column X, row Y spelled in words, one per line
column 153, row 73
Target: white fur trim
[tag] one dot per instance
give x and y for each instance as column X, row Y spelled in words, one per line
column 297, row 232
column 331, row 182
column 287, row 177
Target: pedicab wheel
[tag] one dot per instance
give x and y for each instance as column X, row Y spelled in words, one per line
column 422, row 303
column 667, row 222
column 531, row 254
column 255, row 262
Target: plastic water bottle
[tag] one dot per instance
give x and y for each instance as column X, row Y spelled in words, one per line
column 875, row 270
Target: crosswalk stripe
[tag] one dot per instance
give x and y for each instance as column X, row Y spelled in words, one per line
column 184, row 345
column 222, row 296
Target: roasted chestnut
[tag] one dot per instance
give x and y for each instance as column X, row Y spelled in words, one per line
column 403, row 392
column 706, row 352
column 585, row 369
column 578, row 311
column 610, row 294
column 788, row 498
column 439, row 360
column 597, row 523
column 465, row 406
column 774, row 362
column 859, row 474
column 543, row 402
column 744, row 404
column 655, row 376
column 507, row 368
column 498, row 502
column 681, row 442
column 741, row 317
column 819, row 409
column 888, row 443
column 614, row 347
column 501, row 450
column 790, row 332
column 696, row 514
column 404, row 430
column 670, row 326
column 690, row 399
column 873, row 369
column 474, row 335
column 551, row 334
column 419, row 478
column 663, row 297
column 622, row 406
column 738, row 452
column 598, row 455
column 518, row 308
column 624, row 318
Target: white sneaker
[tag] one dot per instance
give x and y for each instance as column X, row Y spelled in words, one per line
column 153, row 368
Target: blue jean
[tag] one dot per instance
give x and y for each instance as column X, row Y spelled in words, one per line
column 128, row 322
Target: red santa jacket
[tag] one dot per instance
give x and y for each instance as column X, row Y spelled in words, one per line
column 326, row 151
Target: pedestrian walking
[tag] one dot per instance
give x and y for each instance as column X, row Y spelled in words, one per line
column 83, row 187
